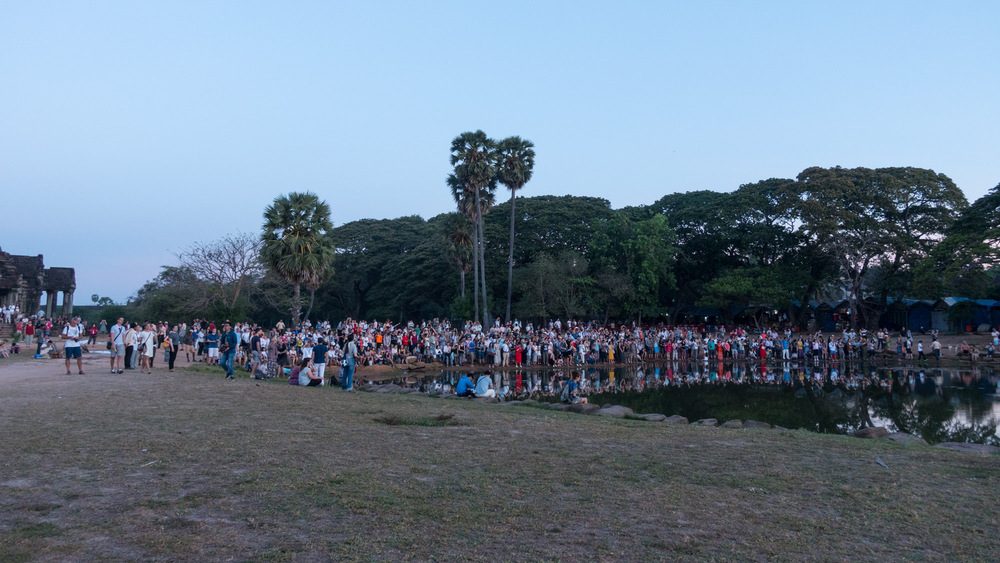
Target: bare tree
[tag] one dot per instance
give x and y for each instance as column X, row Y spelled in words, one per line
column 230, row 266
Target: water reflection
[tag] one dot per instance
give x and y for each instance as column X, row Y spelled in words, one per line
column 935, row 404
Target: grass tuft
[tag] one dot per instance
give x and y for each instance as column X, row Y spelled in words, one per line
column 439, row 420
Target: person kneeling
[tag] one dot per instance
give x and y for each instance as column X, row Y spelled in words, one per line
column 307, row 375
column 484, row 386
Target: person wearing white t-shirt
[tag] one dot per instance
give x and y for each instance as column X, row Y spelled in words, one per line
column 116, row 337
column 71, row 335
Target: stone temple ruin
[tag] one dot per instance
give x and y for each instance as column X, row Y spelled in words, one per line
column 23, row 279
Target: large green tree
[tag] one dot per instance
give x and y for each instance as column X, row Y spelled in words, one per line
column 516, row 164
column 296, row 243
column 641, row 251
column 965, row 262
column 388, row 268
column 886, row 218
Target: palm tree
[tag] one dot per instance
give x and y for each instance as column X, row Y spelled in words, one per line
column 296, row 243
column 458, row 238
column 474, row 157
column 465, row 200
column 517, row 160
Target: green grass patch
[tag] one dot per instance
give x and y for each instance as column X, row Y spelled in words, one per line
column 439, row 420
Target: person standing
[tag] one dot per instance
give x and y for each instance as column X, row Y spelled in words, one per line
column 256, row 348
column 29, row 333
column 130, row 341
column 116, row 335
column 227, row 348
column 172, row 345
column 319, row 359
column 147, row 345
column 272, row 355
column 71, row 334
column 212, row 346
column 350, row 352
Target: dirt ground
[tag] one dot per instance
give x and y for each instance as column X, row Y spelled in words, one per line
column 188, row 466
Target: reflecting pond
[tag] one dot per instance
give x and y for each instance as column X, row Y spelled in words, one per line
column 940, row 404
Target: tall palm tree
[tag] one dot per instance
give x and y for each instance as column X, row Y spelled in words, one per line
column 474, row 157
column 516, row 162
column 296, row 242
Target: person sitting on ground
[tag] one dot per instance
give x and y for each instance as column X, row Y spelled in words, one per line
column 571, row 391
column 307, row 375
column 484, row 386
column 465, row 387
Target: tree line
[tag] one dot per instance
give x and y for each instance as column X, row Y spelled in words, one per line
column 864, row 235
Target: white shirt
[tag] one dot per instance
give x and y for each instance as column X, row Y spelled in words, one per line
column 70, row 331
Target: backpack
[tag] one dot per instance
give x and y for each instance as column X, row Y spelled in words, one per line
column 567, row 393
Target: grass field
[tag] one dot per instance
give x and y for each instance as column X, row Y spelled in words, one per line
column 187, row 466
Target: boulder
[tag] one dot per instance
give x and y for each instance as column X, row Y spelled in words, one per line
column 529, row 401
column 974, row 448
column 487, row 400
column 584, row 408
column 388, row 388
column 559, row 407
column 733, row 424
column 511, row 403
column 452, row 396
column 776, row 427
column 983, row 328
column 614, row 410
column 872, row 432
column 707, row 422
column 676, row 419
column 654, row 417
column 755, row 424
column 904, row 438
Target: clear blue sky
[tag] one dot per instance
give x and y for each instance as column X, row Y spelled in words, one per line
column 129, row 130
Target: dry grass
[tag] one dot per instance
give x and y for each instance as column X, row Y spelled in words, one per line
column 187, row 466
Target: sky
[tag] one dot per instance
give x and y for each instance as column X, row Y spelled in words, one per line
column 130, row 130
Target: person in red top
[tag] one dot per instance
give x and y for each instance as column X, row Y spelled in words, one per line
column 29, row 332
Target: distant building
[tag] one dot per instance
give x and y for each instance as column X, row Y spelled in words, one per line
column 23, row 280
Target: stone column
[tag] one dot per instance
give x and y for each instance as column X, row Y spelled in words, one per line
column 50, row 299
column 67, row 308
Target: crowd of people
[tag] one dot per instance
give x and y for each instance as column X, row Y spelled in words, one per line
column 576, row 343
column 304, row 352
